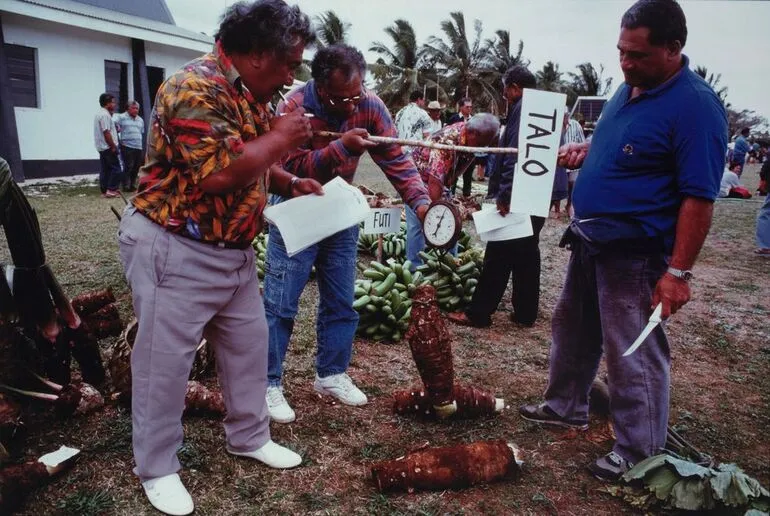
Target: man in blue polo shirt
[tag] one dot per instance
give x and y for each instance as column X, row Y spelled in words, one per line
column 643, row 204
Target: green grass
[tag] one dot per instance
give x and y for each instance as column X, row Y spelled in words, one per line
column 720, row 386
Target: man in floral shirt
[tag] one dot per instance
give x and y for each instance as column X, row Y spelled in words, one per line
column 185, row 242
column 440, row 168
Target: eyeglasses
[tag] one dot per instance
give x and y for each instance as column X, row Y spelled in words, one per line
column 341, row 101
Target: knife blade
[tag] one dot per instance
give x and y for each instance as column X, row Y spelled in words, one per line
column 653, row 321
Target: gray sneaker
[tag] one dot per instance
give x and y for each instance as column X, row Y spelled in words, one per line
column 610, row 467
column 545, row 415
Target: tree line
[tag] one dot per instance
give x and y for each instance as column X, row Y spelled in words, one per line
column 462, row 63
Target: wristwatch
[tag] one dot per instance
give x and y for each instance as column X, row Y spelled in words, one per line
column 294, row 181
column 678, row 273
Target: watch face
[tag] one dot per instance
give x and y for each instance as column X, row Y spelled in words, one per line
column 439, row 225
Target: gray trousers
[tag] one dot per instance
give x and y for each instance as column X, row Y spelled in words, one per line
column 604, row 306
column 182, row 291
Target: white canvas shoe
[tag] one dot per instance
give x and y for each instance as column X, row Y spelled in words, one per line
column 279, row 409
column 168, row 495
column 273, row 455
column 341, row 387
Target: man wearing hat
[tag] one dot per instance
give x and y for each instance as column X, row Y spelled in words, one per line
column 434, row 112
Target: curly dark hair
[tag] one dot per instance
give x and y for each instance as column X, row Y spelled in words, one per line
column 520, row 76
column 664, row 18
column 263, row 26
column 344, row 58
column 106, row 98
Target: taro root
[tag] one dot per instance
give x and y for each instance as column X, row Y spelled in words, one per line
column 10, row 419
column 451, row 467
column 17, row 481
column 200, row 400
column 89, row 302
column 471, row 403
column 72, row 399
column 432, row 350
column 104, row 322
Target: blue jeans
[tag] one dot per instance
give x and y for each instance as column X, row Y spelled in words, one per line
column 763, row 225
column 415, row 240
column 336, row 323
column 604, row 305
column 110, row 174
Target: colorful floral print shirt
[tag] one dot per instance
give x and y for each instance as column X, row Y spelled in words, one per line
column 201, row 119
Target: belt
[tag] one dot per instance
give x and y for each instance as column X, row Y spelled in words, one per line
column 213, row 243
column 218, row 243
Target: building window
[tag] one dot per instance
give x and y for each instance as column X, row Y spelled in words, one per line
column 23, row 75
column 116, row 82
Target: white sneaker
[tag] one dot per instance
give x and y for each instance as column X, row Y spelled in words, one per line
column 168, row 495
column 274, row 455
column 341, row 387
column 278, row 407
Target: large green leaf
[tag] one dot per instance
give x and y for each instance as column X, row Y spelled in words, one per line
column 687, row 469
column 691, row 494
column 661, row 481
column 639, row 471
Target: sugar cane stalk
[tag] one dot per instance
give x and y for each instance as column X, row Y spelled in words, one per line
column 427, row 144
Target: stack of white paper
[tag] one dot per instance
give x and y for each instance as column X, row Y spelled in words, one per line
column 306, row 220
column 491, row 226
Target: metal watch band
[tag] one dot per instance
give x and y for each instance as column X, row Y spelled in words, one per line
column 678, row 273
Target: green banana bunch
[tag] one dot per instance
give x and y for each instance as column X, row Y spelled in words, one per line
column 455, row 280
column 260, row 249
column 383, row 300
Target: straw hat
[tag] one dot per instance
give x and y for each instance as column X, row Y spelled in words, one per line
column 433, row 104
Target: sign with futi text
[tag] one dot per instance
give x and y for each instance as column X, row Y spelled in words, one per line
column 383, row 220
column 542, row 122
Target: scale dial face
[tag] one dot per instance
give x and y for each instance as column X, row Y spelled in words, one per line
column 440, row 226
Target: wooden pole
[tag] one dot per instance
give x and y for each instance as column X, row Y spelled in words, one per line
column 427, row 144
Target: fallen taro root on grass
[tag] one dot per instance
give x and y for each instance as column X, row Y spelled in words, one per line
column 431, row 348
column 451, row 467
column 71, row 400
column 471, row 403
column 18, row 480
column 90, row 302
column 199, row 400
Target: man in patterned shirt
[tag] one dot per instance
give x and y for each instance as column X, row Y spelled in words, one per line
column 440, row 168
column 412, row 121
column 337, row 99
column 185, row 242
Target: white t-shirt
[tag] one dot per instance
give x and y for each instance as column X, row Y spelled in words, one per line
column 729, row 180
column 412, row 121
column 103, row 122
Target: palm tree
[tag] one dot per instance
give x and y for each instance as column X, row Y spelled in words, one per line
column 713, row 81
column 549, row 78
column 588, row 82
column 396, row 71
column 499, row 53
column 499, row 59
column 331, row 29
column 461, row 62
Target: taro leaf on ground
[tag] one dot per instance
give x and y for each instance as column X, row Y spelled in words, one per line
column 684, row 485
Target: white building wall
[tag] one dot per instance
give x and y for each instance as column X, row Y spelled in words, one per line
column 70, row 77
column 169, row 58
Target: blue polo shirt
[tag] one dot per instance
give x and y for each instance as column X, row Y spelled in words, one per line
column 650, row 152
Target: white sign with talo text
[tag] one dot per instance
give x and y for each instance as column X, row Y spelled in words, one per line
column 540, row 128
column 383, row 220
